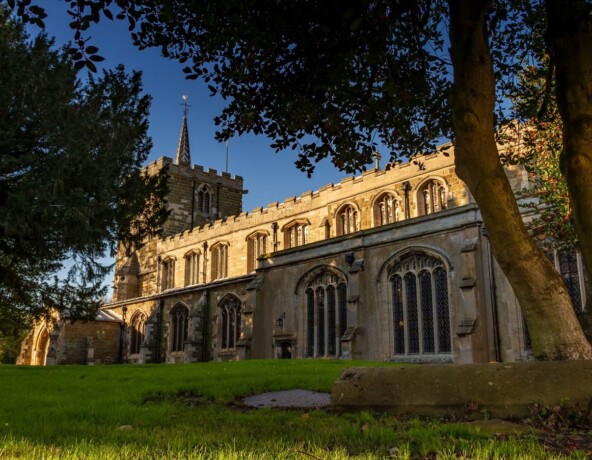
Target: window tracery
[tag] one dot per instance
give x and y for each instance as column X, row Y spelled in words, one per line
column 431, row 197
column 192, row 260
column 420, row 307
column 219, row 261
column 296, row 234
column 138, row 326
column 179, row 323
column 168, row 273
column 326, row 315
column 256, row 247
column 387, row 209
column 204, row 199
column 231, row 322
column 348, row 220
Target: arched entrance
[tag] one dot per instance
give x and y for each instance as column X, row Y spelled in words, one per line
column 41, row 348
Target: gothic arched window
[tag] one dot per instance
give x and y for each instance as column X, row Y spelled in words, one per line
column 431, row 197
column 296, row 234
column 192, row 259
column 348, row 220
column 387, row 209
column 256, row 247
column 168, row 273
column 219, row 261
column 420, row 309
column 204, row 199
column 178, row 326
column 326, row 315
column 568, row 268
column 138, row 326
column 231, row 323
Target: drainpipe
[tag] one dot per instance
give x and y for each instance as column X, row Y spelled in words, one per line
column 274, row 228
column 192, row 202
column 206, row 321
column 122, row 335
column 492, row 292
column 218, row 213
column 158, row 261
column 205, row 261
column 159, row 330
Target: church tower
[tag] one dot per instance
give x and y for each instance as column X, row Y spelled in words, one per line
column 197, row 196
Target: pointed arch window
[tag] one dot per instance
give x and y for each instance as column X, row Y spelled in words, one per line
column 326, row 315
column 420, row 308
column 178, row 326
column 348, row 220
column 431, row 197
column 192, row 260
column 138, row 327
column 570, row 266
column 219, row 261
column 204, row 199
column 387, row 209
column 168, row 273
column 296, row 234
column 256, row 247
column 231, row 322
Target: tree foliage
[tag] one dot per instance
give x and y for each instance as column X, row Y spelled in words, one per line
column 537, row 144
column 71, row 183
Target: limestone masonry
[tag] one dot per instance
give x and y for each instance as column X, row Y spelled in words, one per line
column 393, row 264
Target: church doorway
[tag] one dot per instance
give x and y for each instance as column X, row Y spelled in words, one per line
column 286, row 350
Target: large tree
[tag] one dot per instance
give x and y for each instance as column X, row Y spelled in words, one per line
column 569, row 41
column 71, row 183
column 337, row 79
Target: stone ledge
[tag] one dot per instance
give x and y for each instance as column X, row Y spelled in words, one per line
column 477, row 390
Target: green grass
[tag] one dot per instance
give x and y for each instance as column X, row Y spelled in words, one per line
column 194, row 412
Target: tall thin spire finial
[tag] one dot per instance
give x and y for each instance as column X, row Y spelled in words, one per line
column 183, row 155
column 185, row 105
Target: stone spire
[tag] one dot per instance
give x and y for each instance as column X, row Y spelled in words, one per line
column 183, row 154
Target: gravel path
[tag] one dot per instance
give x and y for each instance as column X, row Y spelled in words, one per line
column 289, row 399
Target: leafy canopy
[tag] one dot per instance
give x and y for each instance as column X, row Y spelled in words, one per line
column 71, row 183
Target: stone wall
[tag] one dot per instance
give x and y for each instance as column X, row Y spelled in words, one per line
column 184, row 183
column 318, row 209
column 91, row 342
column 478, row 391
column 484, row 322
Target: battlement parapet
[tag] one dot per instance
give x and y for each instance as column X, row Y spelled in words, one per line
column 373, row 180
column 197, row 172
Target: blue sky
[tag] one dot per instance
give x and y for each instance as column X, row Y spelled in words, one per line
column 268, row 176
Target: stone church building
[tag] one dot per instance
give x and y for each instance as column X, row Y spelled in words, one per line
column 393, row 264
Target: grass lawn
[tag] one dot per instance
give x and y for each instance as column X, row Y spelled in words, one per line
column 194, row 411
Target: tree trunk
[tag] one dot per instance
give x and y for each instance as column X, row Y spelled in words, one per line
column 569, row 38
column 546, row 305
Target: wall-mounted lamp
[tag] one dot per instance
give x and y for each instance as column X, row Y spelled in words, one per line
column 279, row 322
column 350, row 258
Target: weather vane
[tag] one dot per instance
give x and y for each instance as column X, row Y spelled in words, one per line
column 185, row 104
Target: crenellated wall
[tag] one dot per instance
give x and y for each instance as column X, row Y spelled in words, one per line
column 318, row 209
column 185, row 182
